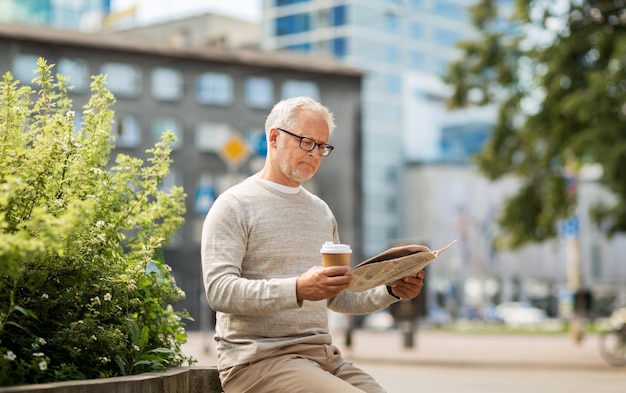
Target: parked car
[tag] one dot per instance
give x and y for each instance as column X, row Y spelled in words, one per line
column 520, row 313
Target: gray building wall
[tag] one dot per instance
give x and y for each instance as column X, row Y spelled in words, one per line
column 339, row 87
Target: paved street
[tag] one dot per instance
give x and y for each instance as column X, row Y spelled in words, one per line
column 443, row 362
column 441, row 379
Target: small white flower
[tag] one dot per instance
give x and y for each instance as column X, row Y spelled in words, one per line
column 70, row 114
column 37, row 354
column 96, row 300
column 45, row 296
column 104, row 359
column 136, row 348
column 107, row 297
column 80, row 321
column 43, row 365
column 94, row 338
column 100, row 224
column 42, row 341
column 10, row 356
column 102, row 237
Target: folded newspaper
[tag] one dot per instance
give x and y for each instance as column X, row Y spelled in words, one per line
column 391, row 265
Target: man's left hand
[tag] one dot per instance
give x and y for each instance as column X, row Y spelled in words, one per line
column 409, row 287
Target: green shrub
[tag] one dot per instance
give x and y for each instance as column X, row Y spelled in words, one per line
column 84, row 290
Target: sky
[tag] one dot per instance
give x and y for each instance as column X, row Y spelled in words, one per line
column 150, row 11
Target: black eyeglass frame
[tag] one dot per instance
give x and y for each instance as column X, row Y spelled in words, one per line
column 324, row 149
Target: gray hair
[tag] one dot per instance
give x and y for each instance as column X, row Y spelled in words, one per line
column 283, row 113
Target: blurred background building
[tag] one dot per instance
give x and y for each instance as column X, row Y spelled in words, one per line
column 82, row 15
column 404, row 157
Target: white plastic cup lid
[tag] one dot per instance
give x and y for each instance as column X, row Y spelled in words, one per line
column 335, row 248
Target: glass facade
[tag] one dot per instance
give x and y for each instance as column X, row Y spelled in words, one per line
column 66, row 14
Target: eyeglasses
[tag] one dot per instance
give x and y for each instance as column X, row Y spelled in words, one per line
column 309, row 144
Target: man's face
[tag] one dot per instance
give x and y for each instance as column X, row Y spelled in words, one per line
column 296, row 164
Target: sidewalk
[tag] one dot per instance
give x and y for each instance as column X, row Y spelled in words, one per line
column 435, row 348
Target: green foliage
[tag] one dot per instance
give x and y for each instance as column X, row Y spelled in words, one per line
column 84, row 291
column 558, row 76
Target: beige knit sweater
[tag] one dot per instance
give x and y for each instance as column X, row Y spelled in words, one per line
column 256, row 241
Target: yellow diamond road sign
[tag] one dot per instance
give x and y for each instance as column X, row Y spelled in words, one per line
column 234, row 151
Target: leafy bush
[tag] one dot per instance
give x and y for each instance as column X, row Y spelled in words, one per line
column 84, row 290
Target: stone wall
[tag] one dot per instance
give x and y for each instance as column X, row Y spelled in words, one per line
column 176, row 380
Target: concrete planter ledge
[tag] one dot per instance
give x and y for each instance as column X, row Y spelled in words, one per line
column 176, row 380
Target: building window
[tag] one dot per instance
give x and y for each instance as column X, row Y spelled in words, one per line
column 292, row 24
column 304, row 47
column 281, row 3
column 172, row 179
column 166, row 84
column 211, row 137
column 78, row 72
column 394, row 84
column 417, row 30
column 23, row 67
column 160, row 125
column 417, row 4
column 392, row 22
column 460, row 142
column 339, row 16
column 417, row 60
column 447, row 37
column 295, row 88
column 339, row 46
column 441, row 65
column 393, row 54
column 123, row 79
column 214, row 88
column 451, row 10
column 259, row 92
column 126, row 131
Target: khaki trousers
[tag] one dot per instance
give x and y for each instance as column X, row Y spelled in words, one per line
column 301, row 368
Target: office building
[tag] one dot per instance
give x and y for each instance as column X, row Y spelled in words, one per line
column 82, row 15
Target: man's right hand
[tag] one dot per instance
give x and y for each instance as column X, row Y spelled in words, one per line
column 320, row 283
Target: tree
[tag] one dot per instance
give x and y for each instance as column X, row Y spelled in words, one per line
column 556, row 70
column 84, row 289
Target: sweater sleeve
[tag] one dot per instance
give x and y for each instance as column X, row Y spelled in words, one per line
column 222, row 252
column 362, row 302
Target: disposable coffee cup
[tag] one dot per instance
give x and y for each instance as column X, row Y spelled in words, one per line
column 334, row 254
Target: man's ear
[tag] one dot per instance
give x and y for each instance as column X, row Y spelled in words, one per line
column 272, row 136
